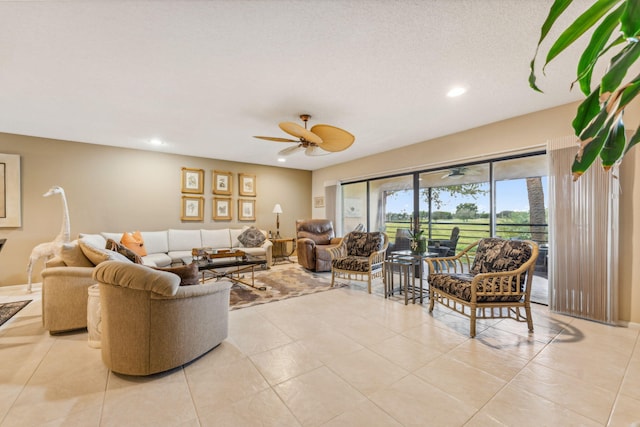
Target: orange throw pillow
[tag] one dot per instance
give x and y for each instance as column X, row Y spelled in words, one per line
column 134, row 242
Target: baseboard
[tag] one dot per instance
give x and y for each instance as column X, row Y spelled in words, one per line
column 626, row 324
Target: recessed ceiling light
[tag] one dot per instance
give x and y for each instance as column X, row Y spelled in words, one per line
column 282, row 159
column 456, row 91
column 156, row 141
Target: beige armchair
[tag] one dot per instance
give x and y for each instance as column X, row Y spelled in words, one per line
column 152, row 324
column 497, row 285
column 360, row 256
column 314, row 238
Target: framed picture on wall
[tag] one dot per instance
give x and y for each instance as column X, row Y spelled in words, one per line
column 222, row 209
column 318, row 202
column 246, row 210
column 222, row 183
column 10, row 196
column 247, row 184
column 192, row 180
column 352, row 208
column 192, row 208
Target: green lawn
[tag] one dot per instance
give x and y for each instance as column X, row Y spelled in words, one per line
column 470, row 231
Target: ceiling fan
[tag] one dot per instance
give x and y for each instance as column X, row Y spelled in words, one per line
column 454, row 173
column 318, row 141
column 459, row 172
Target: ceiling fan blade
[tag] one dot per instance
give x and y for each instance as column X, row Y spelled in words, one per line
column 290, row 150
column 273, row 138
column 455, row 173
column 314, row 150
column 297, row 130
column 333, row 138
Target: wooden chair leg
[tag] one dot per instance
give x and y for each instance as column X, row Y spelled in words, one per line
column 432, row 301
column 333, row 277
column 527, row 311
column 369, row 282
column 472, row 322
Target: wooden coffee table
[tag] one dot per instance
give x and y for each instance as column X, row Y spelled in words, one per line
column 234, row 264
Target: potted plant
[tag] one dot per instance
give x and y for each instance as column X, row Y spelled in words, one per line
column 418, row 242
column 614, row 26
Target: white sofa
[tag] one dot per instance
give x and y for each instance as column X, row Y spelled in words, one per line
column 65, row 287
column 174, row 246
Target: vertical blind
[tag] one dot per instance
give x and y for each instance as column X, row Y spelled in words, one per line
column 330, row 197
column 583, row 243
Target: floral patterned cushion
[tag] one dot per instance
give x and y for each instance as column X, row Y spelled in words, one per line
column 353, row 263
column 495, row 255
column 364, row 244
column 459, row 285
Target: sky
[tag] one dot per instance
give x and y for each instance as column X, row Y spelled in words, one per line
column 511, row 195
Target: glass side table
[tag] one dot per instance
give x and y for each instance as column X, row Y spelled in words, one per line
column 416, row 259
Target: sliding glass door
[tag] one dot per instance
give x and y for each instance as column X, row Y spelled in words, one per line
column 354, row 206
column 504, row 197
column 391, row 204
column 457, row 197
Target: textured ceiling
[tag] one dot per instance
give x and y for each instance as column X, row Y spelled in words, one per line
column 204, row 76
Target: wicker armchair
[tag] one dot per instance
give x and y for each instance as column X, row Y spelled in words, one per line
column 360, row 256
column 497, row 285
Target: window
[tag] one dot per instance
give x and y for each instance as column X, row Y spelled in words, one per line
column 505, row 197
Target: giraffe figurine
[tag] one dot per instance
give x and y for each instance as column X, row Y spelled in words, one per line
column 50, row 249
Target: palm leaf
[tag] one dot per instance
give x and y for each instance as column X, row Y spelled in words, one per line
column 619, row 66
column 587, row 110
column 582, row 24
column 614, row 145
column 588, row 152
column 634, row 140
column 556, row 10
column 629, row 92
column 630, row 21
column 595, row 49
column 595, row 125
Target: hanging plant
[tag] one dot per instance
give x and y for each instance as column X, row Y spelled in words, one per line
column 599, row 120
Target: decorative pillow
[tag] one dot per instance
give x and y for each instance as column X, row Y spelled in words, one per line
column 97, row 255
column 252, row 237
column 495, row 255
column 188, row 273
column 112, row 245
column 361, row 243
column 134, row 242
column 73, row 256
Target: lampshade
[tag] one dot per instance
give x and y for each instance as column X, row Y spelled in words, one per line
column 277, row 209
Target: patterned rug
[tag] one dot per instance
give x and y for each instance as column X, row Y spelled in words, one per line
column 282, row 281
column 9, row 309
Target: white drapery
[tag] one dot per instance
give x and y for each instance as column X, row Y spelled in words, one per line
column 583, row 243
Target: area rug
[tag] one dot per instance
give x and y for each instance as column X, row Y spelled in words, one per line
column 9, row 309
column 282, row 281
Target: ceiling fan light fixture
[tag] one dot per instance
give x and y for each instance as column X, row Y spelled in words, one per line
column 320, row 140
column 455, row 173
column 456, row 91
column 314, row 150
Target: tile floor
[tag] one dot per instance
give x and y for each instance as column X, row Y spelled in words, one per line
column 337, row 358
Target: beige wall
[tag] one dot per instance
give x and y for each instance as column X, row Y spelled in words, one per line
column 524, row 133
column 116, row 189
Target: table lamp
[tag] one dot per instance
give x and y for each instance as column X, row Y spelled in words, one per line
column 277, row 209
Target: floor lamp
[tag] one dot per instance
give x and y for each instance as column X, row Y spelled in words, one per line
column 277, row 209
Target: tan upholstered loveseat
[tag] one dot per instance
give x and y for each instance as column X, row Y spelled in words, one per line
column 152, row 324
